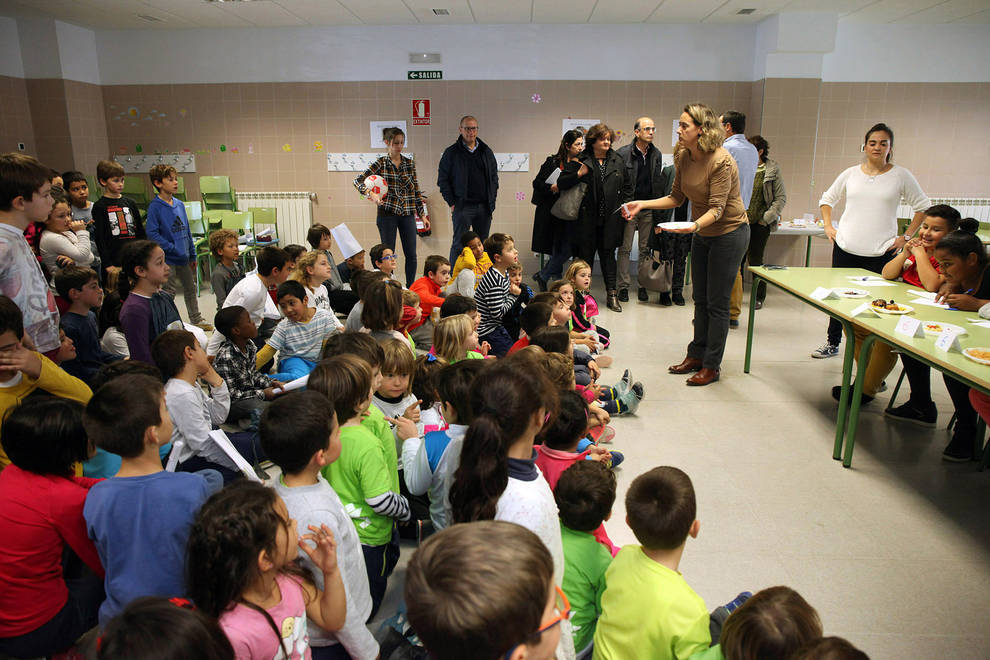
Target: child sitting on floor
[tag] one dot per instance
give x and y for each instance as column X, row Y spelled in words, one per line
column 495, row 295
column 360, row 283
column 146, row 312
column 155, row 628
column 299, row 432
column 382, row 312
column 312, row 270
column 183, row 362
column 236, row 363
column 127, row 516
column 394, row 396
column 523, row 606
column 424, row 388
column 299, row 337
column 585, row 308
column 471, row 265
column 80, row 287
column 564, row 439
column 458, row 304
column 366, row 481
column 585, row 341
column 228, row 272
column 584, row 494
column 455, row 338
column 429, row 462
column 511, row 319
column 112, row 339
column 64, row 241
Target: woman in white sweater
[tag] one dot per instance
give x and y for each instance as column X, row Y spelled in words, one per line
column 867, row 235
column 64, row 241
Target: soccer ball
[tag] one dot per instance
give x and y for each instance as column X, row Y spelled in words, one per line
column 376, row 184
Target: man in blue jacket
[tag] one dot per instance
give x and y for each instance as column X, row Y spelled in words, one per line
column 167, row 225
column 468, row 181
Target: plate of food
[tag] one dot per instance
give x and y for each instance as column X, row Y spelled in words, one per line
column 882, row 306
column 847, row 292
column 978, row 354
column 938, row 327
column 667, row 226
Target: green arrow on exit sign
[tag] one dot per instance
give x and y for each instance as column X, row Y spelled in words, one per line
column 425, row 75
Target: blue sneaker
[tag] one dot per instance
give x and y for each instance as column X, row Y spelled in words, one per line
column 617, row 458
column 734, row 604
column 826, row 350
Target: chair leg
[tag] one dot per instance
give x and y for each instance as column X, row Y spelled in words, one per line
column 981, row 431
column 897, row 388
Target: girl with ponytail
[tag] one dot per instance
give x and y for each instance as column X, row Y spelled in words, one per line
column 498, row 478
column 146, row 312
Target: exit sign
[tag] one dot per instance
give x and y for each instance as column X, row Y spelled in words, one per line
column 425, row 75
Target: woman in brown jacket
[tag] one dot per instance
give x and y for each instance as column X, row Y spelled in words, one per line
column 707, row 175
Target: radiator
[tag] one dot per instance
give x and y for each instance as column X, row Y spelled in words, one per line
column 294, row 209
column 969, row 207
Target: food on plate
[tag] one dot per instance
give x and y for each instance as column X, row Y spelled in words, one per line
column 979, row 353
column 933, row 327
column 880, row 302
column 889, row 305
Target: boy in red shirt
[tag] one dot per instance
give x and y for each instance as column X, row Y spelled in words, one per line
column 436, row 274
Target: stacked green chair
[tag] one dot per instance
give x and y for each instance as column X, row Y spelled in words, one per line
column 95, row 192
column 241, row 222
column 181, row 192
column 217, row 193
column 201, row 242
column 264, row 217
column 135, row 189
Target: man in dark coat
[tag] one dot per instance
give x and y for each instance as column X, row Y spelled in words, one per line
column 468, row 180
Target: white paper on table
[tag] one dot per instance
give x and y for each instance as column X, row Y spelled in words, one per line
column 928, row 303
column 927, row 295
column 345, row 240
column 948, row 341
column 296, row 384
column 821, row 293
column 863, row 309
column 224, row 443
column 909, row 327
column 552, row 179
column 982, row 324
column 870, row 281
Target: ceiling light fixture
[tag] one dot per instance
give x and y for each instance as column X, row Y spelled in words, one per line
column 441, row 12
column 746, row 12
column 148, row 17
column 424, row 58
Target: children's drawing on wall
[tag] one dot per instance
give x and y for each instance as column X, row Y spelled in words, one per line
column 577, row 124
column 376, row 128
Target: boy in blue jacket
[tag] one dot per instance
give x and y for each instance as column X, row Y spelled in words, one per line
column 167, row 225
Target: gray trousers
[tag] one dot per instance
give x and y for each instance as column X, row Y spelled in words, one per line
column 714, row 265
column 184, row 274
column 643, row 223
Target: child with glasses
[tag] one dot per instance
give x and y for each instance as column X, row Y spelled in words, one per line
column 485, row 590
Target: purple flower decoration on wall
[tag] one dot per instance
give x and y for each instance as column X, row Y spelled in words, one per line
column 520, row 196
column 536, row 98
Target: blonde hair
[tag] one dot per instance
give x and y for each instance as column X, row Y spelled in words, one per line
column 410, row 298
column 576, row 266
column 712, row 134
column 449, row 336
column 305, row 261
column 399, row 360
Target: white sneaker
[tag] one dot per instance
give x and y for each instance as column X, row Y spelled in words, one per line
column 826, row 350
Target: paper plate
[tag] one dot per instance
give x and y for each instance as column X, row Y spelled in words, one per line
column 937, row 327
column 904, row 309
column 676, row 225
column 978, row 354
column 847, row 292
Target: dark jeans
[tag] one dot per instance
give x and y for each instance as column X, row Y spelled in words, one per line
column 469, row 215
column 380, row 561
column 500, row 341
column 79, row 614
column 388, row 224
column 714, row 262
column 606, row 257
column 553, row 269
column 842, row 259
column 919, row 377
column 332, row 652
column 247, row 445
column 241, row 408
column 342, row 301
column 758, row 236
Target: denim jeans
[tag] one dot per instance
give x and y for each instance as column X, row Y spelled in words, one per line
column 553, row 269
column 388, row 224
column 714, row 263
column 468, row 215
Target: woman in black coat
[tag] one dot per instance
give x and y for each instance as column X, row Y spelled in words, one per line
column 600, row 226
column 551, row 235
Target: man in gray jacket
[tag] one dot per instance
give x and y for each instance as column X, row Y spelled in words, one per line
column 644, row 165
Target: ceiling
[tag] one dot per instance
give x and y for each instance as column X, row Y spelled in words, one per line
column 182, row 14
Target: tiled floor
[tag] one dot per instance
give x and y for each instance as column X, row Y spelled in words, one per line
column 893, row 553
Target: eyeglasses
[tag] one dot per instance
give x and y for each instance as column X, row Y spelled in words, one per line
column 388, row 257
column 562, row 607
column 650, row 129
column 469, row 128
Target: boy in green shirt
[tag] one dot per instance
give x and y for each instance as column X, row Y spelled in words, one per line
column 648, row 610
column 585, row 493
column 368, row 485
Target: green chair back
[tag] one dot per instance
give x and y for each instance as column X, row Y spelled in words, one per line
column 217, row 193
column 197, row 227
column 181, row 192
column 264, row 217
column 214, row 218
column 240, row 221
column 194, row 210
column 95, row 192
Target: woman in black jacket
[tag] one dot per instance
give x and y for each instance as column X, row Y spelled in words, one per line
column 600, row 226
column 551, row 235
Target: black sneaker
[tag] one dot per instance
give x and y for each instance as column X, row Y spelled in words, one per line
column 908, row 413
column 665, row 300
column 540, row 282
column 959, row 449
column 643, row 295
column 679, row 299
column 863, row 398
column 623, row 295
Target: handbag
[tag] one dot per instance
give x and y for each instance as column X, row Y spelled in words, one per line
column 656, row 275
column 568, row 205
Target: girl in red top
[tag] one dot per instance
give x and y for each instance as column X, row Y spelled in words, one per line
column 916, row 263
column 46, row 602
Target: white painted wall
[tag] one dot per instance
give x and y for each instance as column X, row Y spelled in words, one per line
column 77, row 53
column 473, row 52
column 39, row 44
column 909, row 53
column 10, row 49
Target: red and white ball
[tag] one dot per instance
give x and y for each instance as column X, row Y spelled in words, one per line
column 376, row 184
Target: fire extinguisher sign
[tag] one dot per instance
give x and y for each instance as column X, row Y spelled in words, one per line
column 421, row 112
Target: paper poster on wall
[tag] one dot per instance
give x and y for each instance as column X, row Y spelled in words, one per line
column 378, row 126
column 673, row 134
column 581, row 124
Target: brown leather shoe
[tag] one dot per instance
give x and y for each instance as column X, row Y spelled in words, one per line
column 687, row 366
column 704, row 377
